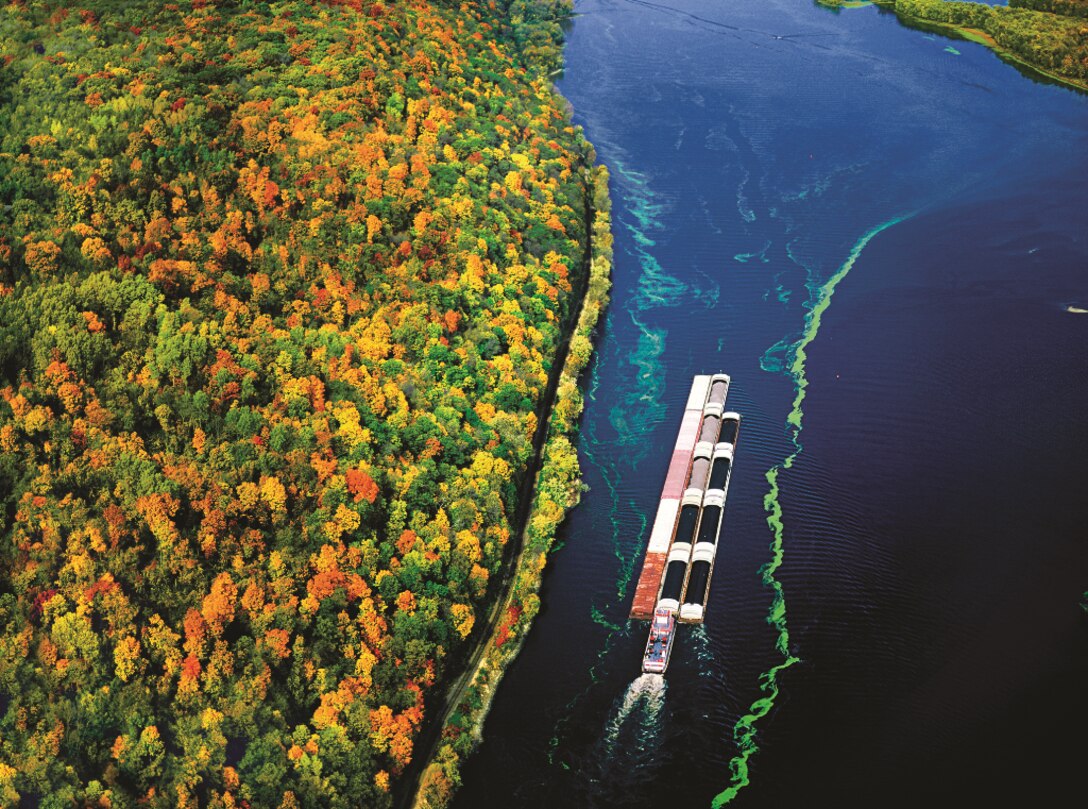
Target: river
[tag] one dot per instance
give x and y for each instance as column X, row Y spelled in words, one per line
column 905, row 629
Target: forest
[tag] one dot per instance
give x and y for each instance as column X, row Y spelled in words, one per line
column 281, row 288
column 1050, row 36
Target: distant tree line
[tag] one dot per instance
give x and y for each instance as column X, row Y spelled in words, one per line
column 1048, row 34
column 1068, row 8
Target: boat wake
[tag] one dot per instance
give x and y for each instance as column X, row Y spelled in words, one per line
column 625, row 757
column 643, row 701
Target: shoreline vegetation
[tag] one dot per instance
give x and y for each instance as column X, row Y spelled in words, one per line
column 1048, row 38
column 557, row 490
column 284, row 293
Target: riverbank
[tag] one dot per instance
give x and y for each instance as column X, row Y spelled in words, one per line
column 284, row 401
column 1039, row 42
column 557, row 489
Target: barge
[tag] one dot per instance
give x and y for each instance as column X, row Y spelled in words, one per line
column 668, row 508
column 701, row 569
column 675, row 580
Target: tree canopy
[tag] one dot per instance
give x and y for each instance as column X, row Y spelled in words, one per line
column 280, row 289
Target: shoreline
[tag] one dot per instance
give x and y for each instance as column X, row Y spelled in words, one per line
column 555, row 489
column 454, row 724
column 969, row 34
column 980, row 37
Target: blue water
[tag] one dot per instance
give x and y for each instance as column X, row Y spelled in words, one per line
column 879, row 239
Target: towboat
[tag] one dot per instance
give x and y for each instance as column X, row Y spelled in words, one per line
column 659, row 644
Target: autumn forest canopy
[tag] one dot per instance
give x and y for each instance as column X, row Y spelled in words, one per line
column 281, row 287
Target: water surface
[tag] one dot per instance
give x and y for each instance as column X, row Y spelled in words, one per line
column 906, row 628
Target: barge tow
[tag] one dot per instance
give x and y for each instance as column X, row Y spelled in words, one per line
column 674, row 584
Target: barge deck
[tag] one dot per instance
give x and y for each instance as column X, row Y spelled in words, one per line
column 668, row 509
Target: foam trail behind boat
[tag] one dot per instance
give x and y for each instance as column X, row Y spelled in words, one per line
column 643, row 701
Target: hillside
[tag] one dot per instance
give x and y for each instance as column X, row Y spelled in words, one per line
column 280, row 290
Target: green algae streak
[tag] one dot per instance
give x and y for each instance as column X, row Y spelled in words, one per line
column 744, row 731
